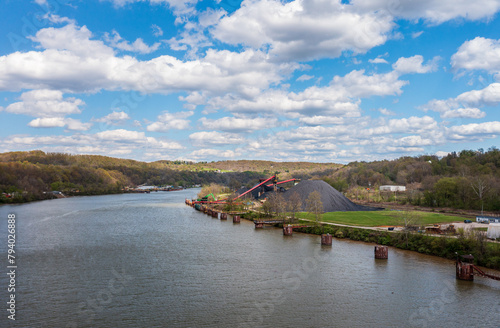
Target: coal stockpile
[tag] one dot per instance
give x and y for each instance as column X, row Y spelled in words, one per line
column 332, row 199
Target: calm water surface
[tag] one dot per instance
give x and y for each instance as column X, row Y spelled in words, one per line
column 148, row 260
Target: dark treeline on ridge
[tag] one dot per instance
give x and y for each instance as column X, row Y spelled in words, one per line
column 469, row 179
column 466, row 180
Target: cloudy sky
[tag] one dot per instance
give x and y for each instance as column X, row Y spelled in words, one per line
column 310, row 80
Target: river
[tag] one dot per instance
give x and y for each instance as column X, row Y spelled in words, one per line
column 148, row 260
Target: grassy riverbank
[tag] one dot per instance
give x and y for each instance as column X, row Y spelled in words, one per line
column 381, row 218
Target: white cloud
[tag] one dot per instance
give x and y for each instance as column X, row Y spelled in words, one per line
column 414, row 65
column 304, row 77
column 489, row 96
column 53, row 122
column 215, row 153
column 240, row 125
column 303, row 30
column 385, row 111
column 378, row 60
column 106, row 142
column 321, row 120
column 463, row 113
column 72, row 61
column 56, row 19
column 432, row 11
column 340, row 98
column 45, row 103
column 465, row 105
column 121, row 135
column 216, row 138
column 475, row 131
column 115, row 118
column 171, row 121
column 478, row 54
column 116, row 41
column 157, row 31
column 179, row 7
column 415, row 35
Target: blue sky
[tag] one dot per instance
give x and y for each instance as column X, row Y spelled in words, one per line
column 203, row 80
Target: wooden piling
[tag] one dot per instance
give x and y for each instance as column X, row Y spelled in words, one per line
column 381, row 252
column 215, row 214
column 287, row 230
column 236, row 219
column 223, row 216
column 326, row 239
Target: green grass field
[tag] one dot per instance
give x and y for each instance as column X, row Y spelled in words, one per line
column 382, row 218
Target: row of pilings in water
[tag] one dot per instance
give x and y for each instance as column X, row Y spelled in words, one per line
column 464, row 270
column 212, row 212
column 381, row 252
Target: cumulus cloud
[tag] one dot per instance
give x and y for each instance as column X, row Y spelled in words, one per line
column 59, row 122
column 414, row 65
column 465, row 105
column 115, row 118
column 45, row 103
column 179, row 7
column 303, row 30
column 432, row 11
column 304, row 77
column 171, row 121
column 214, row 153
column 112, row 142
column 240, row 125
column 216, row 138
column 475, row 131
column 378, row 60
column 157, row 31
column 116, row 41
column 478, row 54
column 73, row 61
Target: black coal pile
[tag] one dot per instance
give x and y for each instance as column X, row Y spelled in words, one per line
column 332, row 199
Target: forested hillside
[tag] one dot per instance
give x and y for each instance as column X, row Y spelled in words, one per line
column 467, row 180
column 27, row 176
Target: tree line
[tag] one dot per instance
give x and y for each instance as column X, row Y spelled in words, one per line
column 28, row 176
column 469, row 179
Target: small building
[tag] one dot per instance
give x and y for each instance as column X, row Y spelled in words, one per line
column 493, row 231
column 392, row 188
column 487, row 219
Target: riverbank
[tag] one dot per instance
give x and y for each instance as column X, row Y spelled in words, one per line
column 486, row 254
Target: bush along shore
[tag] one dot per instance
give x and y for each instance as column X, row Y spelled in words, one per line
column 486, row 254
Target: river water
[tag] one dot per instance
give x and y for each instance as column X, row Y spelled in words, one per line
column 148, row 260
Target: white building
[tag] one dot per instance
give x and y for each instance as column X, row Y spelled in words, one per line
column 392, row 188
column 493, row 231
column 487, row 219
